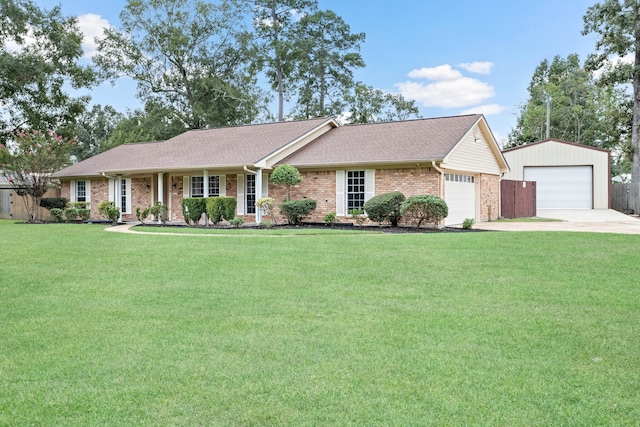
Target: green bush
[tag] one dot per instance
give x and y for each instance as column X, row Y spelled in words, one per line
column 385, row 207
column 219, row 208
column 84, row 214
column 266, row 224
column 78, row 205
column 158, row 210
column 236, row 222
column 331, row 219
column 53, row 203
column 110, row 211
column 192, row 209
column 357, row 214
column 429, row 209
column 56, row 213
column 71, row 214
column 142, row 214
column 286, row 175
column 296, row 210
column 467, row 224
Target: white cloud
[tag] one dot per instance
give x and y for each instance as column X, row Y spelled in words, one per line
column 486, row 109
column 461, row 92
column 91, row 26
column 441, row 72
column 477, row 67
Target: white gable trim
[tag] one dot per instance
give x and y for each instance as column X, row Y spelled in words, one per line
column 295, row 145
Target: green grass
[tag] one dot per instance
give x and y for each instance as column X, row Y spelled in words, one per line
column 517, row 329
column 250, row 231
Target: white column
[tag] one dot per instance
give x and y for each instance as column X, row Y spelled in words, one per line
column 160, row 191
column 205, row 192
column 118, row 194
column 258, row 195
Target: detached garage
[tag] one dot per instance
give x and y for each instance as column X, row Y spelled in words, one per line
column 567, row 175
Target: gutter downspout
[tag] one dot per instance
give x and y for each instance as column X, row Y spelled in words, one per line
column 433, row 163
column 258, row 190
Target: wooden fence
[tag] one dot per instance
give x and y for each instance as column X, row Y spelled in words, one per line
column 18, row 210
column 518, row 199
column 626, row 197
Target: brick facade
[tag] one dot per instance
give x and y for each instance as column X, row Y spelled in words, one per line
column 316, row 185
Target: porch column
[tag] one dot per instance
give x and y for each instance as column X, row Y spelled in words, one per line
column 118, row 193
column 205, row 192
column 160, row 192
column 258, row 195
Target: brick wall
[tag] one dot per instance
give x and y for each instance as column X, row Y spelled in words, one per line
column 99, row 193
column 489, row 197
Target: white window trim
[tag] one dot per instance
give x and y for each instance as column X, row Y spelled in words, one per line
column 341, row 188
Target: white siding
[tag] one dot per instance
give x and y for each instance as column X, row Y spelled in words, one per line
column 340, row 201
column 473, row 154
column 553, row 153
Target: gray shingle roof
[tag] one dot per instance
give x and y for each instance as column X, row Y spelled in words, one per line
column 196, row 149
column 389, row 142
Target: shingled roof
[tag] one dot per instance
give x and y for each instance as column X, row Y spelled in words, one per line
column 197, row 149
column 388, row 142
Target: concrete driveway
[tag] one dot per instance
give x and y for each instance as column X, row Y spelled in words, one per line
column 587, row 220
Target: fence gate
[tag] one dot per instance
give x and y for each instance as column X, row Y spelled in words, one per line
column 518, row 199
column 625, row 198
column 5, row 203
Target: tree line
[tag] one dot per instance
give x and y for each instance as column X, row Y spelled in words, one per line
column 197, row 64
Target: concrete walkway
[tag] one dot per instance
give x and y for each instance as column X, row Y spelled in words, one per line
column 586, row 220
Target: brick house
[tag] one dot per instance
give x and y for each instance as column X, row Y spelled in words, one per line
column 456, row 158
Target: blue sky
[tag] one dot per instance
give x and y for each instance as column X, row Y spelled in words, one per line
column 452, row 57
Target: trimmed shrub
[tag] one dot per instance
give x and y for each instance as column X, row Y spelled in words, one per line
column 142, row 214
column 296, row 210
column 71, row 214
column 84, row 214
column 286, row 175
column 192, row 209
column 429, row 209
column 110, row 211
column 266, row 207
column 219, row 208
column 236, row 222
column 53, row 203
column 158, row 210
column 357, row 214
column 56, row 213
column 385, row 207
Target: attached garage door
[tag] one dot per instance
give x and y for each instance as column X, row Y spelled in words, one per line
column 562, row 187
column 460, row 195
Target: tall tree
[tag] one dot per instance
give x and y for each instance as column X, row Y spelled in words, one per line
column 38, row 63
column 273, row 20
column 192, row 56
column 29, row 162
column 94, row 130
column 366, row 105
column 579, row 109
column 617, row 23
column 326, row 55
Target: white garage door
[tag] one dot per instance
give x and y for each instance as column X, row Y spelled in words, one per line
column 562, row 187
column 460, row 195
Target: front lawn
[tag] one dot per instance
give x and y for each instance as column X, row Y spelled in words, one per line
column 517, row 329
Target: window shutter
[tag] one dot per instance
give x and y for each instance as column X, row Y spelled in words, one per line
column 369, row 183
column 240, row 192
column 185, row 187
column 340, row 184
column 223, row 185
column 72, row 191
column 128, row 195
column 265, row 185
column 87, row 184
column 112, row 188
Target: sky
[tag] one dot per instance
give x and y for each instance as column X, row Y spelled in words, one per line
column 452, row 57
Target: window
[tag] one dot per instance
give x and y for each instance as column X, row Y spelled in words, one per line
column 123, row 196
column 355, row 190
column 250, row 193
column 197, row 186
column 81, row 191
column 453, row 177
